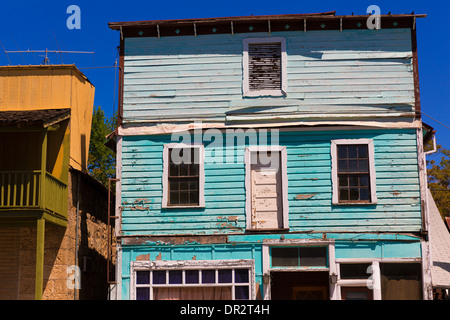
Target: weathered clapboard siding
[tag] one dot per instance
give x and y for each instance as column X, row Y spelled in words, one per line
column 353, row 71
column 309, row 173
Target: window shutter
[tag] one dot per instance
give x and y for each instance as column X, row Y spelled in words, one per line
column 264, row 66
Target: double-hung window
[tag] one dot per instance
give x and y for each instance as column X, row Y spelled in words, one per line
column 183, row 176
column 264, row 67
column 353, row 171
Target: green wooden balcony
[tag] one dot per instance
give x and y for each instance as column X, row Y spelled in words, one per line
column 31, row 190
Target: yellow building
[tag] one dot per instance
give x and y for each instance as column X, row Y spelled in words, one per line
column 45, row 125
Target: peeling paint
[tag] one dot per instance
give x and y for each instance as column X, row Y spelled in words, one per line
column 304, row 196
column 143, row 257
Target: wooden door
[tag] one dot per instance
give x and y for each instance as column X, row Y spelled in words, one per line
column 266, row 202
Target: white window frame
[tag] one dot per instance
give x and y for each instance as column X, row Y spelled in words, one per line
column 165, row 177
column 373, row 280
column 334, row 170
column 245, row 60
column 184, row 265
column 284, row 183
column 266, row 261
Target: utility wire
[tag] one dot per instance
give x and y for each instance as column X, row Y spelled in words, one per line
column 435, row 119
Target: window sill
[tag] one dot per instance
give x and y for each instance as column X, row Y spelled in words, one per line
column 183, row 207
column 265, row 93
column 267, row 230
column 354, row 203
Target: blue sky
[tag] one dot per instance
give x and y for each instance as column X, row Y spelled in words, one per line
column 38, row 25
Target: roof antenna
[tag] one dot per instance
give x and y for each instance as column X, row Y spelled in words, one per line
column 46, row 51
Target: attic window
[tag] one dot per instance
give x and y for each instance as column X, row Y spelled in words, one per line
column 264, row 66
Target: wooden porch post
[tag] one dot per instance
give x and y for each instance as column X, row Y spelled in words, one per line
column 40, row 234
column 39, row 258
column 43, row 170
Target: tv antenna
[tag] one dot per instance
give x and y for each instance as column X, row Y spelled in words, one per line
column 46, row 51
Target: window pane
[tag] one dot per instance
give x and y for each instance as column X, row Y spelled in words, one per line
column 142, row 277
column 174, row 198
column 142, row 293
column 173, row 170
column 355, row 271
column 194, row 197
column 352, row 165
column 194, row 169
column 175, row 276
column 284, row 257
column 364, row 194
column 401, row 281
column 174, row 185
column 342, row 152
column 313, row 256
column 353, row 180
column 184, row 197
column 192, row 276
column 352, row 152
column 342, row 166
column 343, row 194
column 241, row 292
column 225, row 276
column 343, row 180
column 159, row 277
column 184, row 169
column 208, row 276
column 364, row 181
column 354, row 194
column 363, row 151
column 184, row 185
column 241, row 276
column 363, row 165
column 193, row 185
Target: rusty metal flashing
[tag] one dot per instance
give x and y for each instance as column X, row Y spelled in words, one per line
column 121, row 79
column 415, row 65
column 174, row 239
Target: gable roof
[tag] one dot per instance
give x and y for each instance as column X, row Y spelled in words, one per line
column 440, row 247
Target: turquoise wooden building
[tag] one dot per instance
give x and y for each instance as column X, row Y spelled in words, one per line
column 271, row 157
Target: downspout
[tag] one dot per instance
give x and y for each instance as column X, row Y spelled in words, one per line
column 76, row 239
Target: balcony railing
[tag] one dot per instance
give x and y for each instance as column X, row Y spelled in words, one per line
column 27, row 190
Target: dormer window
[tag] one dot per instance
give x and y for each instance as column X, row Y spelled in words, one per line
column 264, row 67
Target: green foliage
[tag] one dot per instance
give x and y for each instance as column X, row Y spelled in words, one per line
column 102, row 160
column 439, row 180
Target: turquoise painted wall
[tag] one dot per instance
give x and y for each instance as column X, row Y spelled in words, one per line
column 328, row 71
column 309, row 172
column 241, row 248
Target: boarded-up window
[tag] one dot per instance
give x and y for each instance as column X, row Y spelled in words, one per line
column 264, row 66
